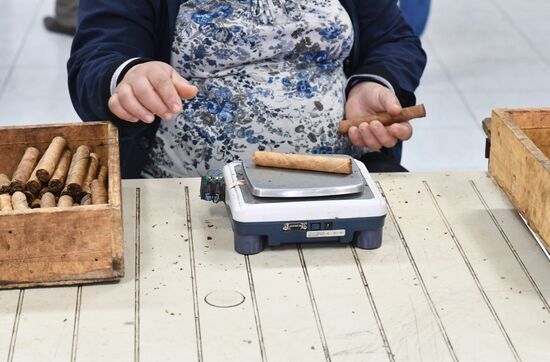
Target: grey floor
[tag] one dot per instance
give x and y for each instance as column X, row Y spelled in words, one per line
column 482, row 55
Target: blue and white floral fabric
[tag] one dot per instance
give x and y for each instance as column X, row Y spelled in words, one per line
column 275, row 84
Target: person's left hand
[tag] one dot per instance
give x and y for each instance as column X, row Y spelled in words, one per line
column 367, row 98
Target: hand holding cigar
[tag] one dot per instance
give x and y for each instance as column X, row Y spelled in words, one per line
column 385, row 118
column 303, row 162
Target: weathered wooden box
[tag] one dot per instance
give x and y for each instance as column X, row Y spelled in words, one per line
column 520, row 163
column 65, row 246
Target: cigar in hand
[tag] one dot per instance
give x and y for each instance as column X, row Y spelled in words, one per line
column 386, row 119
column 303, row 162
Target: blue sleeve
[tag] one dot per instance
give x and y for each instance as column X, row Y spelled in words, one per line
column 109, row 33
column 388, row 47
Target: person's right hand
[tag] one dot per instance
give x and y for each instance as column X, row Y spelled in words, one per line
column 148, row 89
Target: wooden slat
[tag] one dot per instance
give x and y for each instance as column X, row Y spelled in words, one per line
column 228, row 333
column 8, row 317
column 472, row 329
column 46, row 325
column 167, row 322
column 411, row 320
column 107, row 323
column 349, row 322
column 498, row 270
column 289, row 327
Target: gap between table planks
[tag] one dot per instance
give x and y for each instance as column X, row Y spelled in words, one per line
column 458, row 277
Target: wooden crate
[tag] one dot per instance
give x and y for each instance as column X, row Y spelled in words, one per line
column 84, row 244
column 520, row 163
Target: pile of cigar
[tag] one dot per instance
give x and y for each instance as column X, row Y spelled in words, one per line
column 58, row 179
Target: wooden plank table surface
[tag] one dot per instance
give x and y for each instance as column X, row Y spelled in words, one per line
column 458, row 277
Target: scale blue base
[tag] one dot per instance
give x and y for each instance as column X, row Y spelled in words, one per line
column 252, row 238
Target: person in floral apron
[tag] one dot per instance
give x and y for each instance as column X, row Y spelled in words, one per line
column 196, row 84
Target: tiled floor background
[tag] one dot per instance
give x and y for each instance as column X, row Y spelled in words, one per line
column 482, row 55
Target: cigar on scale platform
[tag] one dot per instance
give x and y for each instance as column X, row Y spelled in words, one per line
column 19, row 201
column 24, row 169
column 77, row 171
column 5, row 202
column 386, row 119
column 303, row 162
column 57, row 181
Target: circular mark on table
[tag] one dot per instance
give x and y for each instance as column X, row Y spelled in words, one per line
column 224, row 298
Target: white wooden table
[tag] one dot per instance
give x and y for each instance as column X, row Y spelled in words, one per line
column 458, row 277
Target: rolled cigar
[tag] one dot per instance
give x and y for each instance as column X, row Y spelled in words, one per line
column 99, row 193
column 43, row 191
column 77, row 171
column 30, row 196
column 303, row 162
column 103, row 175
column 86, row 200
column 48, row 162
column 57, row 181
column 35, row 204
column 4, row 184
column 92, row 173
column 47, row 200
column 5, row 202
column 65, row 201
column 24, row 169
column 34, row 185
column 19, row 201
column 386, row 119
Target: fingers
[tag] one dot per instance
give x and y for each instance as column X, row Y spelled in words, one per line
column 149, row 89
column 164, row 86
column 362, row 136
column 402, row 131
column 389, row 102
column 119, row 111
column 382, row 134
column 374, row 135
column 184, row 89
column 147, row 95
column 131, row 105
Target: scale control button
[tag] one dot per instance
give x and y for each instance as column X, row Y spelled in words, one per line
column 328, row 226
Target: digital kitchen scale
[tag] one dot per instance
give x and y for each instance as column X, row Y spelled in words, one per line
column 271, row 206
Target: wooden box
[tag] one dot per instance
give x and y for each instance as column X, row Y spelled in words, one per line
column 520, row 163
column 62, row 246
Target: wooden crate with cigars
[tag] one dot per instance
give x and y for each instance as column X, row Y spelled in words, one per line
column 519, row 162
column 60, row 205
